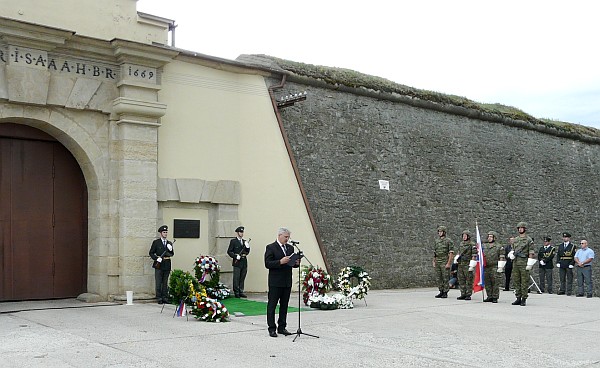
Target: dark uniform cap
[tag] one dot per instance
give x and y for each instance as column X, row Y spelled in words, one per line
column 547, row 238
column 163, row 228
column 239, row 229
column 566, row 235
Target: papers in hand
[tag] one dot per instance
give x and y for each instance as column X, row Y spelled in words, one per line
column 293, row 258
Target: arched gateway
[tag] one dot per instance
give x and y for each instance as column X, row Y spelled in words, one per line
column 43, row 217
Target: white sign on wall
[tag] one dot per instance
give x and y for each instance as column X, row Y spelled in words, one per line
column 384, row 185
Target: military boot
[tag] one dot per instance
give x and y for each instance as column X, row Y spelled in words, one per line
column 494, row 300
column 467, row 297
column 440, row 294
column 523, row 302
column 462, row 297
column 517, row 302
column 488, row 299
column 444, row 295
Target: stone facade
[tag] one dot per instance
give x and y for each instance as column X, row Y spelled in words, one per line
column 108, row 119
column 443, row 168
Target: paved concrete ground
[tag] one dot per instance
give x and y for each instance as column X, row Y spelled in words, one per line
column 398, row 328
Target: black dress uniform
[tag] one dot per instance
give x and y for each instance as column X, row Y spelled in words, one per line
column 160, row 249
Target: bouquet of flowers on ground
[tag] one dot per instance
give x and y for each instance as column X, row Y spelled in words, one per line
column 327, row 302
column 362, row 282
column 208, row 309
column 316, row 281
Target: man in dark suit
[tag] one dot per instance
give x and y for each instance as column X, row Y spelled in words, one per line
column 238, row 250
column 546, row 258
column 566, row 262
column 161, row 251
column 277, row 256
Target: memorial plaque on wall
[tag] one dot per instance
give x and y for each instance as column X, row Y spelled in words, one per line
column 186, row 228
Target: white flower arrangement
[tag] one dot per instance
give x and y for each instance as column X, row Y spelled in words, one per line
column 358, row 291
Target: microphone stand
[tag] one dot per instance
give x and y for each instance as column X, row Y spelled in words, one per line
column 299, row 331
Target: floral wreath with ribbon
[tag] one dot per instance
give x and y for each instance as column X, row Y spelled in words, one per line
column 344, row 282
column 205, row 266
column 316, row 281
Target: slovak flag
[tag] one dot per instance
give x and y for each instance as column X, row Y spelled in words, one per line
column 478, row 283
column 180, row 311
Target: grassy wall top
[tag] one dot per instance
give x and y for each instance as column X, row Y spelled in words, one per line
column 353, row 79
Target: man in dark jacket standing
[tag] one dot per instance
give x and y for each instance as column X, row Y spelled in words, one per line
column 546, row 258
column 277, row 256
column 566, row 263
column 238, row 250
column 161, row 251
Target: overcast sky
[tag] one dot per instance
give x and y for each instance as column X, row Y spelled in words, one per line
column 539, row 56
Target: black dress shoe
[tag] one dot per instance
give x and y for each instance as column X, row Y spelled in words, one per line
column 272, row 334
column 243, row 296
column 285, row 332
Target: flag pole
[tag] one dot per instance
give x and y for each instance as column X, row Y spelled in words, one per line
column 481, row 260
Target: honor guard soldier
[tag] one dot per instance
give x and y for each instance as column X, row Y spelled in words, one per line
column 442, row 260
column 522, row 251
column 238, row 250
column 565, row 264
column 467, row 249
column 161, row 252
column 546, row 258
column 494, row 252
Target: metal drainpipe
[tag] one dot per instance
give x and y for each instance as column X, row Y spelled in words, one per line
column 296, row 172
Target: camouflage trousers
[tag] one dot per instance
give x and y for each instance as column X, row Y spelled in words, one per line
column 442, row 275
column 465, row 279
column 492, row 280
column 520, row 277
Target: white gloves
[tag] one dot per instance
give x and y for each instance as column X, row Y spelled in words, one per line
column 542, row 263
column 159, row 259
column 528, row 267
column 170, row 247
column 246, row 244
column 511, row 254
column 238, row 257
column 558, row 265
column 456, row 258
column 570, row 266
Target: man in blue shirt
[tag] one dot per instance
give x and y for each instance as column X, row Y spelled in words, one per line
column 583, row 261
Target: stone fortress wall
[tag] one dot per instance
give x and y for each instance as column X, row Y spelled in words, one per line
column 443, row 168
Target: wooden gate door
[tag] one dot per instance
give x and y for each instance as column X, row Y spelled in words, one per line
column 43, row 217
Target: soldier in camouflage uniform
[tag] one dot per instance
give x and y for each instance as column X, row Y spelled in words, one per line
column 493, row 252
column 522, row 250
column 442, row 260
column 467, row 249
